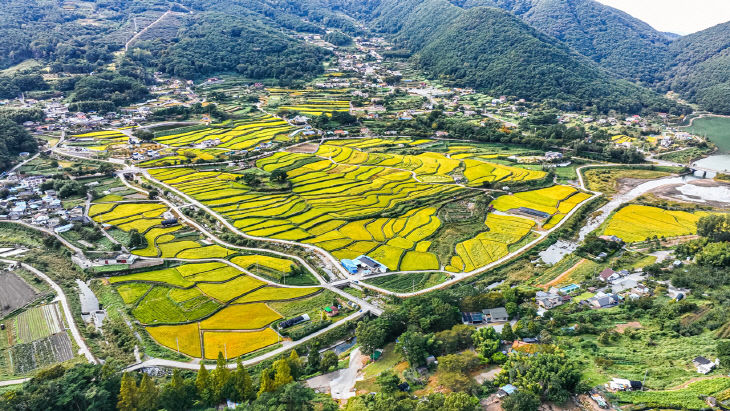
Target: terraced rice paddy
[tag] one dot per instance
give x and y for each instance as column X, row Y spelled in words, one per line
column 241, row 135
column 491, row 245
column 639, row 223
column 211, row 301
column 555, row 202
column 166, row 242
column 317, row 107
column 340, row 194
column 98, row 140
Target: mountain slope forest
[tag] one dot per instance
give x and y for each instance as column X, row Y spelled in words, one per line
column 577, row 53
column 490, row 49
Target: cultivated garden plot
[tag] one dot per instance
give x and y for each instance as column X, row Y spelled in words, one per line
column 350, row 202
column 37, row 338
column 41, row 353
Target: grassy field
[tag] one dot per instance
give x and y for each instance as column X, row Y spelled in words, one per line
column 605, row 179
column 689, row 397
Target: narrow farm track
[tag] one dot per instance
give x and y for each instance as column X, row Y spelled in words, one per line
column 566, row 273
column 66, row 310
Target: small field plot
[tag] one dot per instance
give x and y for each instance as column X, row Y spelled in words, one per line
column 163, row 305
column 241, row 317
column 491, row 245
column 236, row 343
column 185, row 337
column 41, row 353
column 38, row 322
column 14, row 293
column 277, row 294
column 638, row 223
column 550, row 205
column 231, row 289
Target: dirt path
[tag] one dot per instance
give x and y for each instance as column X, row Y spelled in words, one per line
column 567, row 272
column 144, row 30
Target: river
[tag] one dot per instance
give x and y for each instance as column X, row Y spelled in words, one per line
column 717, row 129
column 560, row 249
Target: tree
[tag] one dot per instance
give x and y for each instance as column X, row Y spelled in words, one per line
column 278, row 176
column 153, row 194
column 282, row 373
column 521, row 401
column 219, row 379
column 295, row 364
column 460, row 401
column 267, row 384
column 242, row 384
column 507, row 333
column 388, row 382
column 723, row 352
column 329, row 360
column 370, row 335
column 413, row 346
column 178, row 394
column 127, row 394
column 135, row 239
column 203, row 384
column 486, row 341
column 313, row 359
column 147, row 394
column 715, row 227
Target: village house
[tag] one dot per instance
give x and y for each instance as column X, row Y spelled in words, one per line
column 703, row 365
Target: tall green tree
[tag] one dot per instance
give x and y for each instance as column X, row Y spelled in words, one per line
column 266, row 383
column 147, row 394
column 329, row 360
column 282, row 374
column 295, row 364
column 219, row 379
column 203, row 384
column 370, row 336
column 127, row 394
column 178, row 394
column 242, row 384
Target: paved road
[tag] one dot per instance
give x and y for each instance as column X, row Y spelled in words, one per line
column 49, row 232
column 83, row 348
column 13, row 382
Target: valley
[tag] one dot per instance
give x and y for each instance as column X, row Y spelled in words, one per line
column 387, row 205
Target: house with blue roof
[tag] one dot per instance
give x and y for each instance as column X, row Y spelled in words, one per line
column 569, row 288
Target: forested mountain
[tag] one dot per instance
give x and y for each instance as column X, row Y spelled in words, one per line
column 617, row 41
column 490, row 49
column 700, row 68
column 197, row 39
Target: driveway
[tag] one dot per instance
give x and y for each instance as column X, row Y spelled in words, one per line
column 340, row 383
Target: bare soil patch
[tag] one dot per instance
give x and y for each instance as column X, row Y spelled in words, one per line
column 633, row 324
column 304, row 148
column 14, row 293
